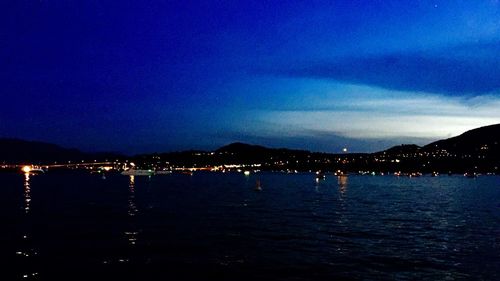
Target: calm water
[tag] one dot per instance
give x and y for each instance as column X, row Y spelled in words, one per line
column 75, row 226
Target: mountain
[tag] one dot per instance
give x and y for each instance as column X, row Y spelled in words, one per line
column 483, row 140
column 401, row 149
column 243, row 148
column 247, row 153
column 232, row 154
column 22, row 151
column 250, row 152
column 475, row 150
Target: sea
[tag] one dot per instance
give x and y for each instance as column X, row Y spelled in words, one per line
column 219, row 226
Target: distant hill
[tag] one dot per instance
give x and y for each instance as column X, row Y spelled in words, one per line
column 481, row 140
column 22, row 151
column 484, row 140
column 476, row 149
column 252, row 152
column 402, row 149
column 248, row 153
column 242, row 148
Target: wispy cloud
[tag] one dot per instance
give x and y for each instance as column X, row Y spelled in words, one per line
column 348, row 114
column 469, row 70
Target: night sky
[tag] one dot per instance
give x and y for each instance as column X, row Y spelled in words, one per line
column 141, row 76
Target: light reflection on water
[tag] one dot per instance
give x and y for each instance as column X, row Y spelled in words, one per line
column 27, row 252
column 342, row 182
column 131, row 233
column 132, row 207
column 27, row 192
column 347, row 226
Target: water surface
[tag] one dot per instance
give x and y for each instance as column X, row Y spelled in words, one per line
column 76, row 226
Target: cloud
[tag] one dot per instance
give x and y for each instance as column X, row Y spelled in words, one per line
column 375, row 125
column 466, row 70
column 366, row 118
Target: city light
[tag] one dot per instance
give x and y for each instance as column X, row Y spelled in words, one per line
column 26, row 169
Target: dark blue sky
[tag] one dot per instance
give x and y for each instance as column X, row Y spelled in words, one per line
column 142, row 76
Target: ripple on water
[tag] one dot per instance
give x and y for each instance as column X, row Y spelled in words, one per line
column 214, row 225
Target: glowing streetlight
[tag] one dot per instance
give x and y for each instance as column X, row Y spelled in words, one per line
column 26, row 169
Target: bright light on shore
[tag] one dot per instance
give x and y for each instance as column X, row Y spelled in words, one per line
column 26, row 169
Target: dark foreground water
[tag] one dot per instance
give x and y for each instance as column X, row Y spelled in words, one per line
column 74, row 226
